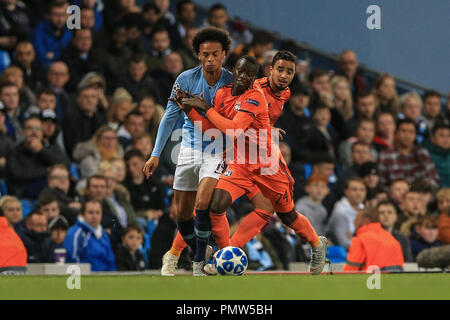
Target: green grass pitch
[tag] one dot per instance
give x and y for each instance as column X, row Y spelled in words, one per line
column 252, row 287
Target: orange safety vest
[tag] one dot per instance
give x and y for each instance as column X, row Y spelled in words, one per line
column 373, row 245
column 12, row 250
column 444, row 228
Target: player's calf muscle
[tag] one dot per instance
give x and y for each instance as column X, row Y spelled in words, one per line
column 185, row 201
column 288, row 218
column 220, row 202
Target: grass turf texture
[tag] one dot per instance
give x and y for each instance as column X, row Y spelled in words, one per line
column 254, row 287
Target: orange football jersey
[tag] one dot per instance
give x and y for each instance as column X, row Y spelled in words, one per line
column 275, row 103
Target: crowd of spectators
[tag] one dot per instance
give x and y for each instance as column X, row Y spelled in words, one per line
column 80, row 109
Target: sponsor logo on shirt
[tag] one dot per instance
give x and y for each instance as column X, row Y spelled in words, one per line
column 251, row 101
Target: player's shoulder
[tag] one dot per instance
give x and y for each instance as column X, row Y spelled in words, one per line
column 223, row 92
column 190, row 75
column 227, row 75
column 262, row 82
column 255, row 96
column 286, row 93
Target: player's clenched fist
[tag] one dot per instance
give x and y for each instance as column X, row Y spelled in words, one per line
column 150, row 166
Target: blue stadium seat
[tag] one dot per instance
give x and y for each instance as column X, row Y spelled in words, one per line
column 3, row 188
column 5, row 60
column 308, row 170
column 27, row 206
column 75, row 171
column 336, row 254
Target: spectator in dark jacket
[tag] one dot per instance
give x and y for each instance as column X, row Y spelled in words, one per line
column 147, row 195
column 58, row 181
column 116, row 55
column 348, row 66
column 33, row 71
column 27, row 165
column 171, row 68
column 296, row 122
column 15, row 23
column 138, row 82
column 50, row 37
column 133, row 127
column 35, row 238
column 388, row 219
column 427, row 233
column 81, row 122
column 323, row 136
column 6, row 142
column 128, row 256
column 58, row 76
column 88, row 242
column 81, row 58
column 365, row 108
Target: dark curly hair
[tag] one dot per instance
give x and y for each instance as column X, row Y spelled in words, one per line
column 284, row 55
column 212, row 34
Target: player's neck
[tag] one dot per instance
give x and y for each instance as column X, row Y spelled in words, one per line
column 212, row 77
column 274, row 89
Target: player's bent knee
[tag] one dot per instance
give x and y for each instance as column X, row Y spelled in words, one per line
column 220, row 202
column 202, row 204
column 288, row 218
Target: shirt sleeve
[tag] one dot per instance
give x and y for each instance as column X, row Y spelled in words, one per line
column 253, row 103
column 170, row 117
column 356, row 257
column 240, row 121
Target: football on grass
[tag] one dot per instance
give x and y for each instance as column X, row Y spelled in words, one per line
column 230, row 261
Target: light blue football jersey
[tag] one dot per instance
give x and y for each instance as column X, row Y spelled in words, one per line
column 193, row 81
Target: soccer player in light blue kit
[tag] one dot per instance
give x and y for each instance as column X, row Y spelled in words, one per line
column 199, row 166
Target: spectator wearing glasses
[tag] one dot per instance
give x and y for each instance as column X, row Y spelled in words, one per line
column 27, row 165
column 57, row 77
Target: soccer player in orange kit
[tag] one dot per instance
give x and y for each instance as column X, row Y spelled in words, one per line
column 242, row 108
column 276, row 91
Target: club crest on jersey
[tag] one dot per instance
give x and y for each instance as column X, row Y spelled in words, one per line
column 253, row 102
column 175, row 88
column 237, row 106
column 228, row 173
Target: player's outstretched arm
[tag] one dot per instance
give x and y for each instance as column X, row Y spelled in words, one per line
column 241, row 121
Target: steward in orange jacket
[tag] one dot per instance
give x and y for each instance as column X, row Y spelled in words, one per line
column 373, row 245
column 13, row 255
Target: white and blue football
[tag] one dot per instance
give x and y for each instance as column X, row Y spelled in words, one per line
column 230, row 261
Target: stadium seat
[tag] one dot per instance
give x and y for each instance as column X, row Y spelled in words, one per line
column 27, row 206
column 337, row 254
column 74, row 171
column 3, row 188
column 5, row 60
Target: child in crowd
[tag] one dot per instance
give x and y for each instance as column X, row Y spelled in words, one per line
column 128, row 256
column 311, row 205
column 427, row 233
